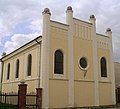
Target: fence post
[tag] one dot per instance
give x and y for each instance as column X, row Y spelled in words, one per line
column 22, row 95
column 39, row 98
column 5, row 98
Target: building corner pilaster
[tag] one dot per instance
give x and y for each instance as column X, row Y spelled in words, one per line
column 45, row 47
column 95, row 60
column 109, row 34
column 69, row 20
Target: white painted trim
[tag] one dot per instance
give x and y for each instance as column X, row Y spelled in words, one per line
column 60, row 76
column 95, row 62
column 45, row 55
column 88, row 65
column 59, row 25
column 71, row 74
column 69, row 20
column 108, row 72
column 84, row 80
column 30, row 79
column 112, row 69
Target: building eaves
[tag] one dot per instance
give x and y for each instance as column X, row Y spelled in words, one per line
column 21, row 47
column 59, row 23
column 102, row 35
column 82, row 21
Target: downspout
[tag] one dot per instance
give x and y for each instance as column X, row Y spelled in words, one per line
column 39, row 64
column 2, row 62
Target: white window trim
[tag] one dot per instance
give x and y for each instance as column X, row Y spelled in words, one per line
column 88, row 64
column 60, row 76
column 104, row 79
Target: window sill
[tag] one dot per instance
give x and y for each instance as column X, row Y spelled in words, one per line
column 59, row 76
column 104, row 79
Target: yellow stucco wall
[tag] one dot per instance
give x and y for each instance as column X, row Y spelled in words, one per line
column 58, row 93
column 31, row 85
column 13, row 82
column 13, row 86
column 58, row 40
column 58, row 85
column 84, row 94
column 105, row 94
column 83, row 48
column 84, row 86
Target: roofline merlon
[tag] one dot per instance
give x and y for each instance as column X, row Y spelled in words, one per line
column 102, row 35
column 59, row 22
column 82, row 21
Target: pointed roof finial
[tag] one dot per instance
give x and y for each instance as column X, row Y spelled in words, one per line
column 47, row 11
column 108, row 30
column 69, row 8
column 3, row 54
column 92, row 17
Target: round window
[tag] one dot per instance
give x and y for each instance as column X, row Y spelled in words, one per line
column 83, row 63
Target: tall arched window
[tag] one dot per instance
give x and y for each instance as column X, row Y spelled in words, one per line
column 103, row 67
column 8, row 71
column 58, row 62
column 29, row 65
column 17, row 68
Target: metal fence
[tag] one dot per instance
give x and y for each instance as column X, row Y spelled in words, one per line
column 31, row 101
column 8, row 101
column 118, row 95
column 21, row 100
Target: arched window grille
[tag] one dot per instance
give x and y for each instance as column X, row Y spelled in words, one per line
column 8, row 71
column 58, row 62
column 29, row 65
column 17, row 68
column 103, row 67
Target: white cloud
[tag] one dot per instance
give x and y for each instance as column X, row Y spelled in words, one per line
column 19, row 39
column 36, row 25
column 12, row 13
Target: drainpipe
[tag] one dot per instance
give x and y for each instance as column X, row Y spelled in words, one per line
column 39, row 63
column 2, row 67
column 2, row 63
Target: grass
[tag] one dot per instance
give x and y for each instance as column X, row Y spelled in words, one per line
column 7, row 106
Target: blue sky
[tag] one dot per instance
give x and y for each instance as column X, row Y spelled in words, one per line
column 21, row 20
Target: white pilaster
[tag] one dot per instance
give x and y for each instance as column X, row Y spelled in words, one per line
column 45, row 58
column 109, row 33
column 1, row 71
column 1, row 76
column 69, row 20
column 95, row 59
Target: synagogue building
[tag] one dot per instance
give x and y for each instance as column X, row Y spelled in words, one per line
column 70, row 62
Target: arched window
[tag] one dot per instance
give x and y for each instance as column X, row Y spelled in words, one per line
column 17, row 68
column 8, row 71
column 29, row 65
column 103, row 67
column 58, row 62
